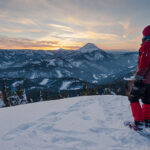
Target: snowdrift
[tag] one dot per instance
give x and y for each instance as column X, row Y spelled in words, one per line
column 81, row 123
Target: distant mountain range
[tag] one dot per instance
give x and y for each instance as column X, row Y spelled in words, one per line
column 65, row 69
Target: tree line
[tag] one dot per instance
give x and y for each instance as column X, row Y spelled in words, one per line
column 19, row 96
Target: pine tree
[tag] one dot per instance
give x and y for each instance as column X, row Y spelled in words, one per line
column 46, row 97
column 64, row 94
column 41, row 97
column 84, row 90
column 1, row 100
column 92, row 91
column 22, row 98
column 60, row 96
column 4, row 94
column 107, row 91
column 10, row 99
column 15, row 100
column 30, row 100
column 19, row 93
column 97, row 91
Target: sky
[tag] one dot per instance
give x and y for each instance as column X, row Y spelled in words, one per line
column 69, row 24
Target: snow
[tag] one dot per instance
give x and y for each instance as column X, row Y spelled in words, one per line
column 76, row 88
column 98, row 56
column 131, row 67
column 17, row 83
column 77, row 63
column 33, row 76
column 59, row 74
column 5, row 65
column 67, row 64
column 95, row 81
column 49, row 53
column 132, row 78
column 44, row 82
column 52, row 62
column 104, row 75
column 81, row 123
column 36, row 62
column 65, row 85
column 33, row 87
column 1, row 102
column 95, row 77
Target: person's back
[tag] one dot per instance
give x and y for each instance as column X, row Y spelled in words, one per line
column 143, row 68
column 145, row 65
column 141, row 88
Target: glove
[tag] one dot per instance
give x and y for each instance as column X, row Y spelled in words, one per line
column 139, row 77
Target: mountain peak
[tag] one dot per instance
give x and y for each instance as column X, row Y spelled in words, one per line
column 89, row 47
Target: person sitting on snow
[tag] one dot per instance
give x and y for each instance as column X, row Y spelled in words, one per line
column 141, row 87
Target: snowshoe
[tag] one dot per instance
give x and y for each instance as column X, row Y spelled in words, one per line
column 138, row 126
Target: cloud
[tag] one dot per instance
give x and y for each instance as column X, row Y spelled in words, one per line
column 8, row 30
column 19, row 30
column 129, row 30
column 65, row 28
column 24, row 21
column 2, row 16
column 22, row 43
column 88, row 35
column 88, row 23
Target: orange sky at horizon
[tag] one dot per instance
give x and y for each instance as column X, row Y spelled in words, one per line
column 73, row 47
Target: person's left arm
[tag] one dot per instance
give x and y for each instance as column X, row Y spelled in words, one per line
column 144, row 63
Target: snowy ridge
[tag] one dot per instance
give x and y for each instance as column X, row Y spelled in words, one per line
column 81, row 123
column 44, row 81
column 85, row 64
column 88, row 48
column 65, row 85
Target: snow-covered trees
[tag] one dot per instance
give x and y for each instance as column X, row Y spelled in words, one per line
column 89, row 91
column 22, row 98
column 1, row 100
column 41, row 97
column 16, row 97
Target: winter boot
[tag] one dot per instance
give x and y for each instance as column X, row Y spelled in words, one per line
column 137, row 112
column 140, row 125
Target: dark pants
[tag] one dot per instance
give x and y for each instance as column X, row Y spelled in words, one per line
column 140, row 90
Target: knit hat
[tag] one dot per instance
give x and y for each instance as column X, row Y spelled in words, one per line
column 146, row 31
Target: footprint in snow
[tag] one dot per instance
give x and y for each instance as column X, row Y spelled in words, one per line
column 15, row 132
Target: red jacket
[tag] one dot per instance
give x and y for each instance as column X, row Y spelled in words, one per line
column 143, row 67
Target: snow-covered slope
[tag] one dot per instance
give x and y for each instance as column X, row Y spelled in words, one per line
column 81, row 123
